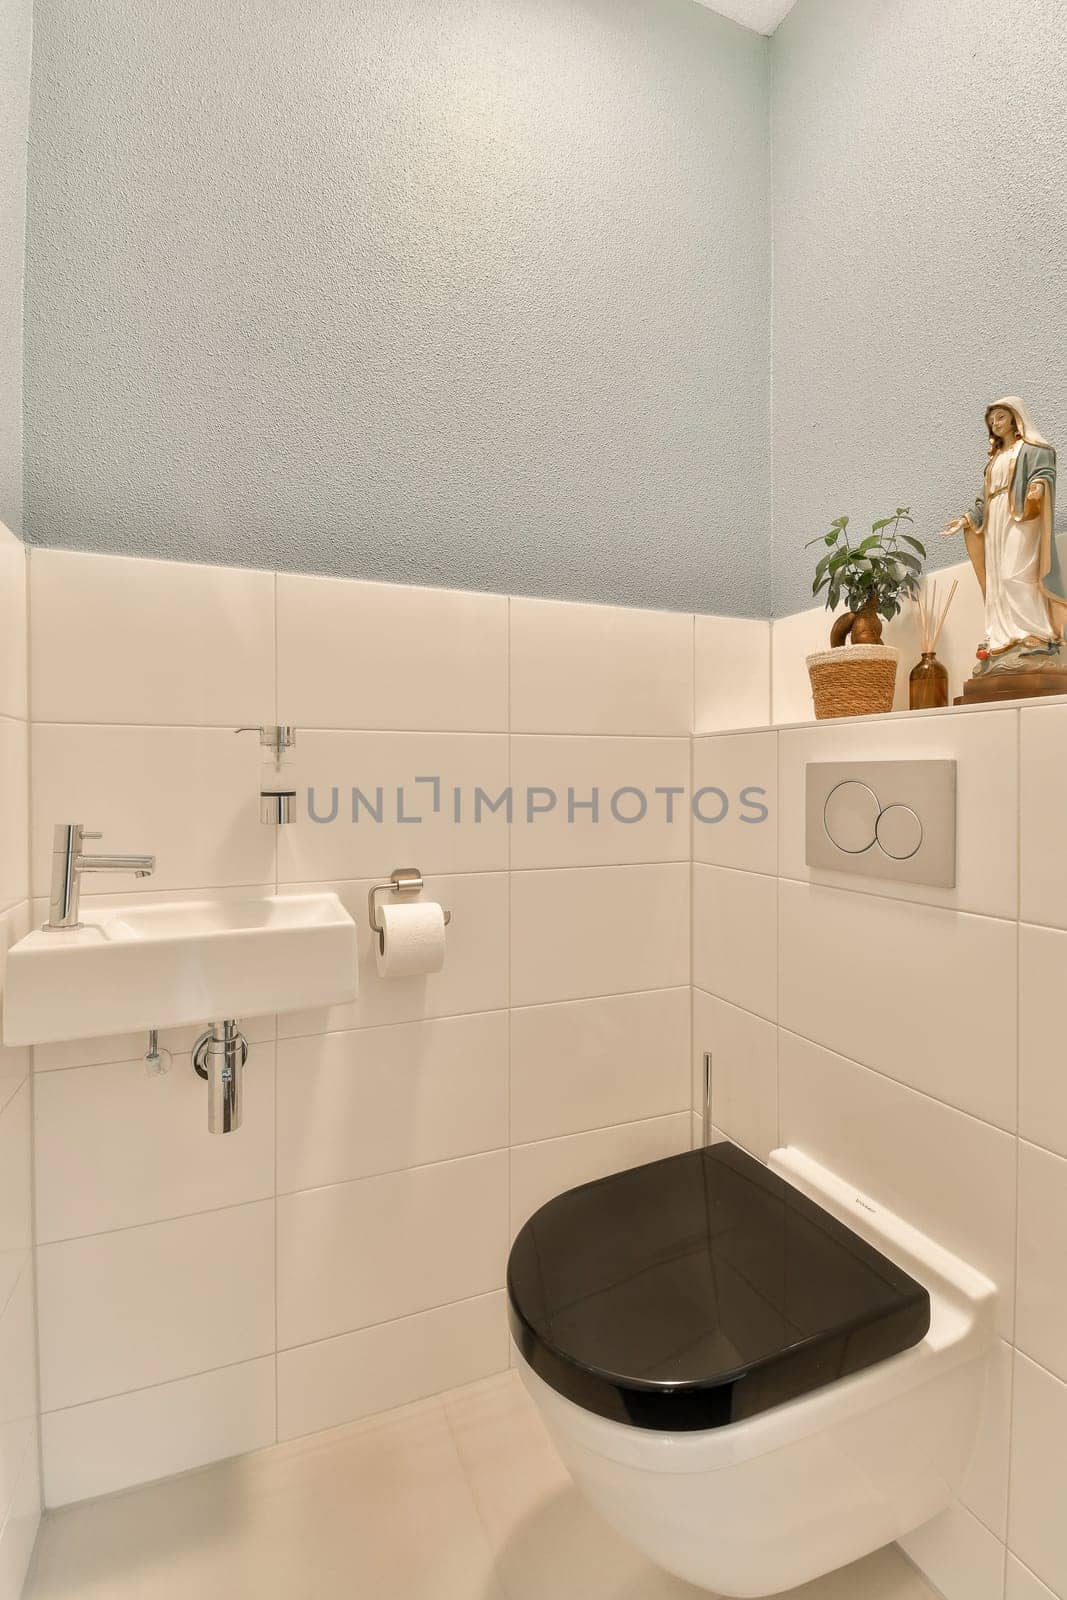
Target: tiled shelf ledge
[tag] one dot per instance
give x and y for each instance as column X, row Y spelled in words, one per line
column 889, row 716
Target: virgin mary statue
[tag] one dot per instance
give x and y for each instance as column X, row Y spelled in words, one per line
column 1012, row 547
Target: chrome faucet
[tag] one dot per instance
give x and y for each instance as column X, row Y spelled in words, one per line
column 68, row 864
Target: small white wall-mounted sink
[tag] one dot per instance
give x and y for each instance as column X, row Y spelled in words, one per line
column 132, row 967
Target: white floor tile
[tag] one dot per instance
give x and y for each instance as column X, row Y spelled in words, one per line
column 381, row 1511
column 461, row 1498
column 19, row 1531
column 958, row 1555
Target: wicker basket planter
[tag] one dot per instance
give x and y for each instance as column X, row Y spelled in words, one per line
column 856, row 680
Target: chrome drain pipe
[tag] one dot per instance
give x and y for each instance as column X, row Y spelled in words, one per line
column 219, row 1056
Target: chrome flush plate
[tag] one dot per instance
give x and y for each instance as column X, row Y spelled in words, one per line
column 883, row 819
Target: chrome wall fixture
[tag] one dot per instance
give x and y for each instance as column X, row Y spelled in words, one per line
column 219, row 1056
column 402, row 880
column 277, row 802
column 69, row 864
column 884, row 819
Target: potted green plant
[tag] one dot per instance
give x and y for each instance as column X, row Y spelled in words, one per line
column 874, row 577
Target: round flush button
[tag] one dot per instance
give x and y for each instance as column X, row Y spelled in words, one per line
column 850, row 817
column 899, row 832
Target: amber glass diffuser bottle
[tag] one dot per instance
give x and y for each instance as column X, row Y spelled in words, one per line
column 928, row 680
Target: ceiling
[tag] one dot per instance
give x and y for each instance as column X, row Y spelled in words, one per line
column 763, row 16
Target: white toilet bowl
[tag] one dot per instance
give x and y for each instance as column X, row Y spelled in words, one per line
column 761, row 1504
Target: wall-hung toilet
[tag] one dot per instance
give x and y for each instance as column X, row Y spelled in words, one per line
column 755, row 1374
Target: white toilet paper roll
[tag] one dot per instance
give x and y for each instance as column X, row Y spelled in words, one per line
column 412, row 941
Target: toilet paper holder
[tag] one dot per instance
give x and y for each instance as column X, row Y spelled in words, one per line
column 402, row 880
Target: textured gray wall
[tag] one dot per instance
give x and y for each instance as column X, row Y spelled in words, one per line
column 470, row 293
column 920, row 255
column 15, row 36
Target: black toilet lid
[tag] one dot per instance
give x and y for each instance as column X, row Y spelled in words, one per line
column 699, row 1290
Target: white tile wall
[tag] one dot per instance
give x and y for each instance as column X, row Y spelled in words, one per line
column 598, row 930
column 1042, row 1081
column 116, row 1148
column 732, row 664
column 20, row 1494
column 367, row 1252
column 735, row 937
column 1022, row 1585
column 117, row 639
column 340, row 1379
column 600, row 669
column 744, row 1072
column 186, row 795
column 946, row 1020
column 384, row 767
column 1043, row 858
column 351, row 1105
column 919, row 1053
column 744, row 769
column 416, row 1129
column 648, row 825
column 946, row 1173
column 1041, row 1330
column 588, row 1064
column 172, row 1427
column 383, row 655
column 382, row 1127
column 141, row 1306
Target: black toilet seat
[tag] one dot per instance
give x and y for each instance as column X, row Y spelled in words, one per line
column 697, row 1291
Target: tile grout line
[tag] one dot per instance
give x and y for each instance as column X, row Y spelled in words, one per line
column 34, row 1242
column 363, row 1177
column 508, row 915
column 274, row 1049
column 403, row 1022
column 1010, row 1442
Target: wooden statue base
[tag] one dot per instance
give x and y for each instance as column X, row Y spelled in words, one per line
column 1011, row 686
